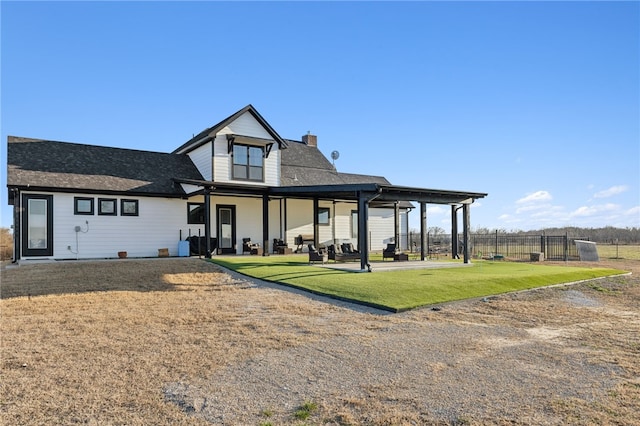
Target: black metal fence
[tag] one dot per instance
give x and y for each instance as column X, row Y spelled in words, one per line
column 515, row 247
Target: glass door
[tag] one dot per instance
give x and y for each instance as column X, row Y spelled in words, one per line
column 37, row 219
column 226, row 218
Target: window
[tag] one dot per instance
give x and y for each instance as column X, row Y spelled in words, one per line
column 128, row 207
column 107, row 207
column 83, row 205
column 354, row 224
column 248, row 162
column 195, row 213
column 323, row 216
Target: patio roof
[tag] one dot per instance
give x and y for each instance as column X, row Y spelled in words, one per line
column 379, row 193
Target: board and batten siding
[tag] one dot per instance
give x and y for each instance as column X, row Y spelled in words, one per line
column 201, row 158
column 245, row 125
column 222, row 165
column 157, row 226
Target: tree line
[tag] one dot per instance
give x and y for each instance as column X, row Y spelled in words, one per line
column 605, row 235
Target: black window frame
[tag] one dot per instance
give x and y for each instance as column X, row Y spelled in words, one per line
column 246, row 164
column 321, row 211
column 190, row 216
column 135, row 203
column 77, row 211
column 113, row 201
column 354, row 224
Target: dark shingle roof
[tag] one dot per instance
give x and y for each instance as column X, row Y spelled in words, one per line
column 63, row 165
column 304, row 165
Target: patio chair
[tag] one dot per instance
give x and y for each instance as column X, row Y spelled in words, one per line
column 316, row 255
column 248, row 246
column 279, row 245
column 389, row 251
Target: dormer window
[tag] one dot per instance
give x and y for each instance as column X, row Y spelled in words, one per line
column 248, row 162
column 248, row 154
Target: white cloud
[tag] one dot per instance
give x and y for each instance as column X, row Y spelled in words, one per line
column 614, row 190
column 532, row 207
column 634, row 212
column 586, row 211
column 436, row 210
column 536, row 197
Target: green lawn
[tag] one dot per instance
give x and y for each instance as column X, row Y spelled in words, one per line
column 401, row 290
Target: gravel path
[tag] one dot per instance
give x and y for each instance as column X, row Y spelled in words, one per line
column 463, row 364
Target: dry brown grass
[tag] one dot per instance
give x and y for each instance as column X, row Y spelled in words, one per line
column 101, row 342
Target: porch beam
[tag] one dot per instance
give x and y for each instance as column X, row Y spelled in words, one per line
column 466, row 216
column 316, row 225
column 423, row 230
column 454, row 232
column 363, row 237
column 265, row 225
column 207, row 221
column 396, row 225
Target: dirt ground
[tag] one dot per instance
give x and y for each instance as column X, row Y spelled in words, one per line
column 179, row 341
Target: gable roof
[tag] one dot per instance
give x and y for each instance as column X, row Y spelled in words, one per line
column 43, row 164
column 204, row 136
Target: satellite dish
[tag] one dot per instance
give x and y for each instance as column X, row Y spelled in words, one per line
column 334, row 156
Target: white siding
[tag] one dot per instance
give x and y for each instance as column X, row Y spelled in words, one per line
column 381, row 228
column 201, row 157
column 157, row 226
column 299, row 219
column 381, row 224
column 162, row 221
column 248, row 219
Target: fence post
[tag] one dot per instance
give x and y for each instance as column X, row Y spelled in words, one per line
column 542, row 248
column 496, row 251
column 566, row 246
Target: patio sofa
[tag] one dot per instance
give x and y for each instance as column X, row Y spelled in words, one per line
column 343, row 252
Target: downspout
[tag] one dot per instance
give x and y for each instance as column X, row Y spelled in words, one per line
column 17, row 208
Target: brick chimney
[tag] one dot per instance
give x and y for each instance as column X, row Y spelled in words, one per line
column 310, row 140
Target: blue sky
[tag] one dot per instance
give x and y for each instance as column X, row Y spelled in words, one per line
column 535, row 103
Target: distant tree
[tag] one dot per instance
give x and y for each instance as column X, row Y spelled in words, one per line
column 6, row 244
column 435, row 231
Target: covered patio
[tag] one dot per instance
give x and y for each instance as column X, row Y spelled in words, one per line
column 364, row 195
column 379, row 195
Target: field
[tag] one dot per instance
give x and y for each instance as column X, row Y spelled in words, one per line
column 622, row 251
column 179, row 341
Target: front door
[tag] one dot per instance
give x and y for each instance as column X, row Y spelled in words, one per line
column 37, row 225
column 226, row 220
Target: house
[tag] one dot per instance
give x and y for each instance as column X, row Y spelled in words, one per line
column 237, row 179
